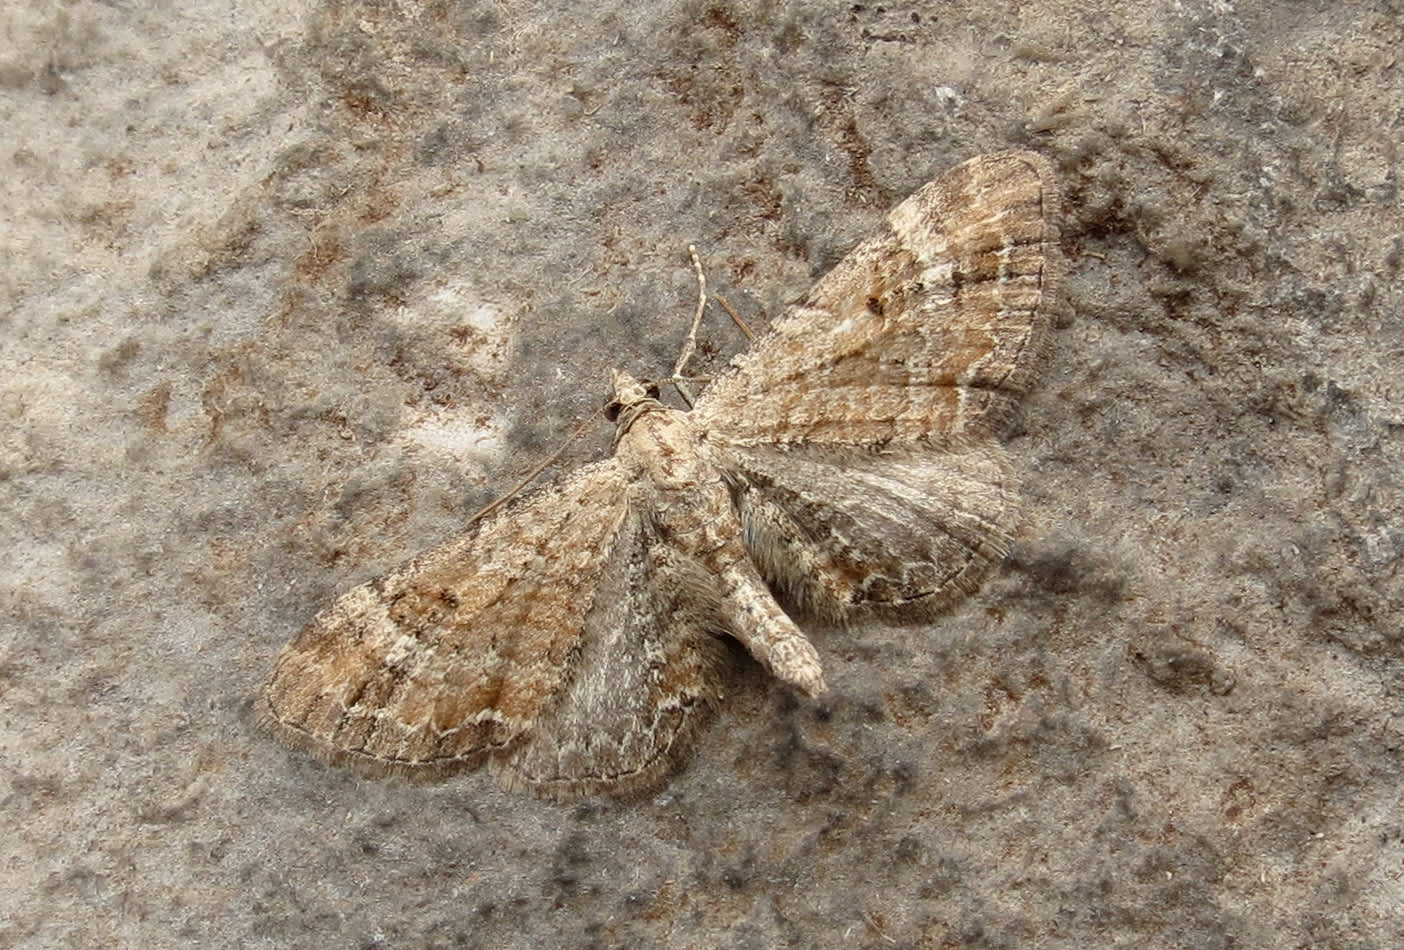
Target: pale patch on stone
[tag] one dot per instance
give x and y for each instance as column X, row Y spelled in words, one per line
column 479, row 333
column 444, row 432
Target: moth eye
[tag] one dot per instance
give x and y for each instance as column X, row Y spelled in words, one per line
column 611, row 410
column 653, row 391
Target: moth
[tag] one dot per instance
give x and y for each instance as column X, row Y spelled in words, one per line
column 845, row 466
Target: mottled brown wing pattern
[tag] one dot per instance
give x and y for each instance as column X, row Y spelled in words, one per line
column 575, row 638
column 457, row 654
column 928, row 331
column 646, row 673
column 840, row 532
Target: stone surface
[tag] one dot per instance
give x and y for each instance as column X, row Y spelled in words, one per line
column 291, row 290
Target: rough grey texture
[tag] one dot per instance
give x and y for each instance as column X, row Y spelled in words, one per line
column 290, row 290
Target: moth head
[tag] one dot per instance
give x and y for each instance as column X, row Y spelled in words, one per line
column 628, row 393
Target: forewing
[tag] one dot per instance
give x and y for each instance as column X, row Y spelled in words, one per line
column 927, row 331
column 646, row 673
column 456, row 654
column 838, row 532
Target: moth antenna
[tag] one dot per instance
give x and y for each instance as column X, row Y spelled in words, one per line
column 532, row 475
